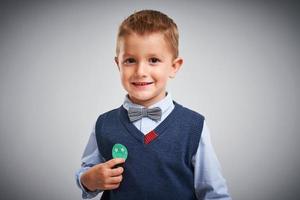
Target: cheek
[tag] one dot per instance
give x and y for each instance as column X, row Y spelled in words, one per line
column 123, row 74
column 161, row 76
column 122, row 77
column 125, row 81
column 125, row 78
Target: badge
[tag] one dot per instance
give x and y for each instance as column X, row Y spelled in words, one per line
column 119, row 151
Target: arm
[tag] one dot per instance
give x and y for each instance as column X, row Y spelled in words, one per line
column 96, row 175
column 90, row 158
column 209, row 182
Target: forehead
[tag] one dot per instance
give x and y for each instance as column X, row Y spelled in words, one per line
column 151, row 43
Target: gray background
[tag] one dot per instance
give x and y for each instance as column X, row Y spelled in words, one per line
column 57, row 75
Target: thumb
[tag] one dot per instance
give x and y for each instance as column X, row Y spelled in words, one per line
column 113, row 162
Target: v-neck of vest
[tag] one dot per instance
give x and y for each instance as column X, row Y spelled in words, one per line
column 159, row 130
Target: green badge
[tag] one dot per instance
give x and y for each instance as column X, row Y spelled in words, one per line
column 119, row 151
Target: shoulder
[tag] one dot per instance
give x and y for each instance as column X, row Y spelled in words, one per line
column 190, row 121
column 111, row 112
column 188, row 113
column 109, row 115
column 189, row 118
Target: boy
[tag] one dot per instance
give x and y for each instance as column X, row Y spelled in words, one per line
column 170, row 155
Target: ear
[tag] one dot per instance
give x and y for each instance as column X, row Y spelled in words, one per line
column 176, row 65
column 117, row 62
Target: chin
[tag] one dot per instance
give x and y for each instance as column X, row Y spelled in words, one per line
column 142, row 97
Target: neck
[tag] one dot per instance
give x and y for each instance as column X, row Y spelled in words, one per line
column 146, row 103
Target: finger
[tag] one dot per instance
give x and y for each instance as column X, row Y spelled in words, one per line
column 115, row 180
column 111, row 163
column 116, row 171
column 111, row 186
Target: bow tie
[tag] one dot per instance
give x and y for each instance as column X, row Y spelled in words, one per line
column 135, row 114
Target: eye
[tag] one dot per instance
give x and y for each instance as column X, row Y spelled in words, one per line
column 154, row 60
column 129, row 61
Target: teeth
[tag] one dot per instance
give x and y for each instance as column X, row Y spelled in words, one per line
column 143, row 83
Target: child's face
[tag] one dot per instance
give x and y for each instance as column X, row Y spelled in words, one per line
column 146, row 63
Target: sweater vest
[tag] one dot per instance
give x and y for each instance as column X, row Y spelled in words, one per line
column 156, row 169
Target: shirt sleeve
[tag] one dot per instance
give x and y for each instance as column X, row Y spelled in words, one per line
column 209, row 182
column 91, row 156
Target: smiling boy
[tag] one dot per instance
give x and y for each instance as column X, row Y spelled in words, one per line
column 146, row 62
column 170, row 155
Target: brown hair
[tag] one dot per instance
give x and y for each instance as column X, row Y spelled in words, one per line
column 150, row 21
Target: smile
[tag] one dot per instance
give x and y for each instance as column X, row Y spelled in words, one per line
column 141, row 83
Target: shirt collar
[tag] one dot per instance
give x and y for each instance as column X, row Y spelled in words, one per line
column 163, row 104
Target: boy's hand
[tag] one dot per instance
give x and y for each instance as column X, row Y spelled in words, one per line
column 103, row 176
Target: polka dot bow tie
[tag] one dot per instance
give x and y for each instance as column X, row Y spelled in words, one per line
column 135, row 114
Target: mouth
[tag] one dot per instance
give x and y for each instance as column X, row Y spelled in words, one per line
column 141, row 83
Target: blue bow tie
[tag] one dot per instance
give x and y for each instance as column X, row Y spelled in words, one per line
column 135, row 114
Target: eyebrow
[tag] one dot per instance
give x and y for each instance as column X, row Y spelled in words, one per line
column 155, row 55
column 151, row 55
column 128, row 55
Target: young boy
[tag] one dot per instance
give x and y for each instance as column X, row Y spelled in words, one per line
column 168, row 148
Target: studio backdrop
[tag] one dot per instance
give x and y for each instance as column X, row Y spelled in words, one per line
column 241, row 71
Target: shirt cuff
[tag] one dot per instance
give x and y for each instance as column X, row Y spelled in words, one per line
column 213, row 190
column 86, row 194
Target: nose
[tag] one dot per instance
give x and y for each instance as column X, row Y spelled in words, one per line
column 141, row 69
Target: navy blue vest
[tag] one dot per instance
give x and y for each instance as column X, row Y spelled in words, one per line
column 159, row 169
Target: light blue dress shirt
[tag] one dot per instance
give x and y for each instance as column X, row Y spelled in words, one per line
column 208, row 182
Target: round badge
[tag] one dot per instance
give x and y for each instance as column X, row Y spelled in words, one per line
column 119, row 151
